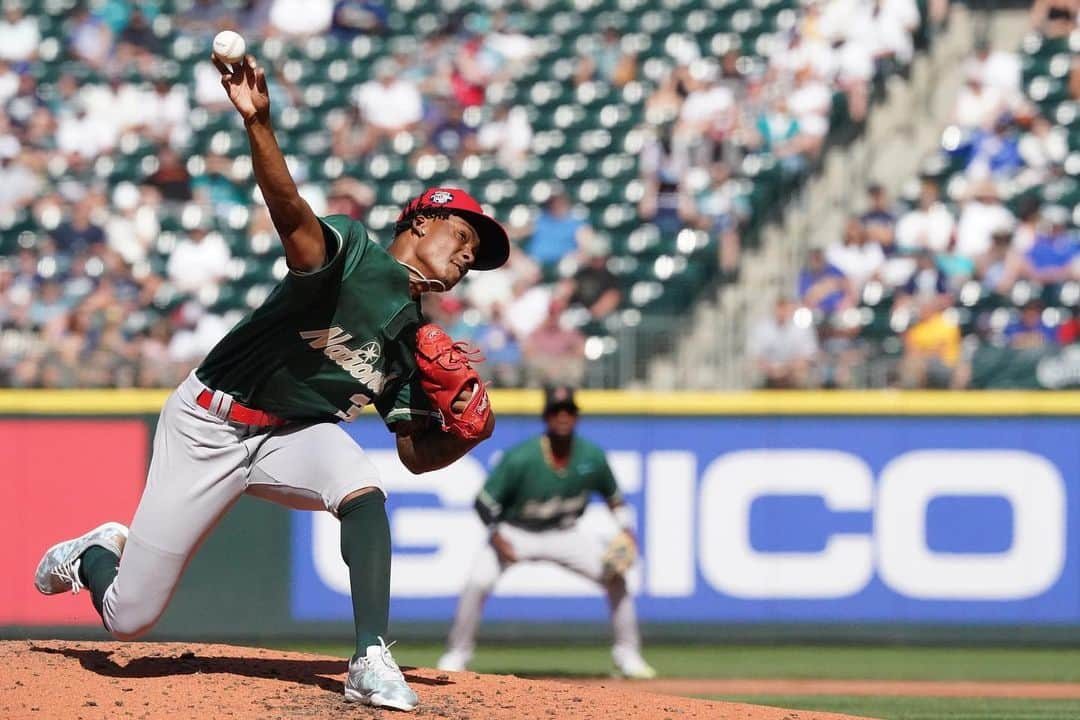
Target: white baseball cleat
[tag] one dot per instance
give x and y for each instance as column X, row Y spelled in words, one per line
column 630, row 665
column 58, row 570
column 375, row 679
column 453, row 661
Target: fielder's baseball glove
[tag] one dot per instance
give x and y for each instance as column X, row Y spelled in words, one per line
column 619, row 556
column 445, row 371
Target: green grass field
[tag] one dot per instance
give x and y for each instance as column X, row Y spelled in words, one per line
column 839, row 663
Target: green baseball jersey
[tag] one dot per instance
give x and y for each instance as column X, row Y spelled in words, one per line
column 327, row 343
column 526, row 489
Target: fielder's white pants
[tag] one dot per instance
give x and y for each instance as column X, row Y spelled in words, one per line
column 201, row 465
column 574, row 549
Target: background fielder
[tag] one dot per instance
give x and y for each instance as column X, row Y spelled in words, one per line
column 259, row 416
column 532, row 502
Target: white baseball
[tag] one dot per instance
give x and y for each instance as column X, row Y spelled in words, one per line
column 229, row 46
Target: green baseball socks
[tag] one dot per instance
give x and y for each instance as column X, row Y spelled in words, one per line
column 365, row 547
column 97, row 569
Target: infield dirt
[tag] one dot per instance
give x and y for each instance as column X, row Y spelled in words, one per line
column 90, row 680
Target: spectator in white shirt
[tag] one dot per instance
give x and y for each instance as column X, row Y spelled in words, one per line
column 84, row 134
column 928, row 226
column 389, row 103
column 783, row 346
column 977, row 105
column 198, row 261
column 18, row 183
column 509, row 135
column 855, row 256
column 166, row 111
column 810, row 101
column 198, row 333
column 982, row 214
column 131, row 229
column 19, row 35
column 998, row 69
column 301, row 17
column 701, row 106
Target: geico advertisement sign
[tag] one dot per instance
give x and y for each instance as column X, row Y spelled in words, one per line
column 696, row 527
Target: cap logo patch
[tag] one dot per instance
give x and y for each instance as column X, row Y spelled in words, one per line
column 441, row 197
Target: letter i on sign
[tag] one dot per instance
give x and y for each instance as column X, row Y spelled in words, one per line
column 669, row 506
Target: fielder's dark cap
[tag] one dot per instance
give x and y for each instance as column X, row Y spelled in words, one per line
column 559, row 397
column 494, row 247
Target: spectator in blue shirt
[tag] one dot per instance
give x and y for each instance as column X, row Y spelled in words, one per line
column 1052, row 257
column 822, row 287
column 997, row 152
column 555, row 233
column 1029, row 330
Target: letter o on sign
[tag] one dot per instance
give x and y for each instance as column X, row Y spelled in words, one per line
column 1030, row 566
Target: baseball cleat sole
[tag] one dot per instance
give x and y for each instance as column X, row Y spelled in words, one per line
column 377, row 700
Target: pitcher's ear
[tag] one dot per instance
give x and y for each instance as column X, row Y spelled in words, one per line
column 418, row 223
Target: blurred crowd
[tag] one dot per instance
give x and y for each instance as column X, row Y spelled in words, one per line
column 713, row 117
column 107, row 282
column 985, row 230
column 84, row 301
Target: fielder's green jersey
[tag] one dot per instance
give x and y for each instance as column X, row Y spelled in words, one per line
column 525, row 489
column 328, row 342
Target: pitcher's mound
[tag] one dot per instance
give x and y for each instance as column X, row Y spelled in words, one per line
column 55, row 679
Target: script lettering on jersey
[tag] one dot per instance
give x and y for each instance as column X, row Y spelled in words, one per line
column 358, row 362
column 556, row 507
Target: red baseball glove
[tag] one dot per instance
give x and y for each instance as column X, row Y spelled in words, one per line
column 445, row 372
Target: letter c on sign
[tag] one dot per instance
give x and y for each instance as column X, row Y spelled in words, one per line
column 729, row 486
column 1034, row 560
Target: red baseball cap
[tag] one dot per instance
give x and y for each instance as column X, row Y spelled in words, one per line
column 494, row 247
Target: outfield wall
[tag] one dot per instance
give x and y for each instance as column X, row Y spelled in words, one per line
column 900, row 513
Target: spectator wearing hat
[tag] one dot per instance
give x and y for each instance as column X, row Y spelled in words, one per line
column 858, row 257
column 823, row 287
column 1029, row 329
column 997, row 68
column 996, row 153
column 80, row 231
column 927, row 289
column 1053, row 257
column 1001, row 266
column 982, row 213
column 928, row 225
column 977, row 105
column 878, row 216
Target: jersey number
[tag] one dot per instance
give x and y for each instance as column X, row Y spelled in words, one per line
column 359, row 400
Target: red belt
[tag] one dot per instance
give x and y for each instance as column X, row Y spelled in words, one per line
column 241, row 413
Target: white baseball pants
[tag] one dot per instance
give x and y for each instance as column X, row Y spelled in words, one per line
column 201, row 465
column 572, row 548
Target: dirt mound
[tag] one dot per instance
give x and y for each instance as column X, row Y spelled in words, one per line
column 91, row 680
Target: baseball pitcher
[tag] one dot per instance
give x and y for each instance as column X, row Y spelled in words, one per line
column 531, row 504
column 260, row 415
